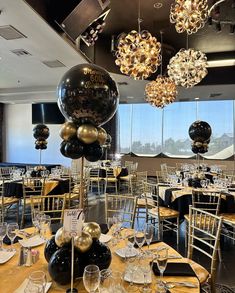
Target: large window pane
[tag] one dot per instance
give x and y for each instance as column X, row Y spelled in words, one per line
column 146, row 130
column 124, row 114
column 177, row 119
column 219, row 114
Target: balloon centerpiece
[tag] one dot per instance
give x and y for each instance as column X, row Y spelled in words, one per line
column 200, row 132
column 41, row 133
column 88, row 250
column 87, row 97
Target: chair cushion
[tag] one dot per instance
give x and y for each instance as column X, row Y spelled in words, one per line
column 164, row 212
column 228, row 218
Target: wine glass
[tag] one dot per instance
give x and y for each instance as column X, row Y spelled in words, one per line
column 139, row 237
column 146, row 270
column 35, row 219
column 44, row 221
column 149, row 231
column 91, row 278
column 131, row 269
column 11, row 233
column 38, row 279
column 161, row 259
column 3, row 232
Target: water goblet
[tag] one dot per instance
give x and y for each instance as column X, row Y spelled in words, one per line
column 38, row 279
column 11, row 233
column 91, row 278
column 3, row 232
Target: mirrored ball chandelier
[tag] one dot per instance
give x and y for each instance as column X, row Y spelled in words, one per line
column 138, row 54
column 188, row 67
column 189, row 15
column 160, row 92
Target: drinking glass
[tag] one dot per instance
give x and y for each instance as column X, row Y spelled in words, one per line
column 91, row 278
column 11, row 233
column 105, row 280
column 149, row 231
column 38, row 279
column 32, row 288
column 3, row 232
column 35, row 219
column 139, row 237
column 146, row 270
column 161, row 259
column 131, row 268
column 45, row 221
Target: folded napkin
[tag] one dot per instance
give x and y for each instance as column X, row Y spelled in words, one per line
column 104, row 238
column 7, row 240
column 22, row 287
column 175, row 269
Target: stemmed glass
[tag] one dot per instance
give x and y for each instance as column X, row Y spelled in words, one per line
column 44, row 222
column 139, row 237
column 11, row 233
column 131, row 268
column 91, row 278
column 146, row 270
column 149, row 231
column 3, row 232
column 35, row 220
column 161, row 259
column 38, row 278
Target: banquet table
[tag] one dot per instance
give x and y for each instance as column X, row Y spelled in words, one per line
column 12, row 276
column 53, row 186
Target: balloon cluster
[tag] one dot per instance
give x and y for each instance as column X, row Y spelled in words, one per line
column 41, row 133
column 88, row 98
column 88, row 250
column 84, row 140
column 200, row 133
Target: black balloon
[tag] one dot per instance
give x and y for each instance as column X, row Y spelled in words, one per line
column 62, row 148
column 74, row 149
column 195, row 149
column 59, row 266
column 93, row 152
column 87, row 94
column 41, row 131
column 50, row 248
column 200, row 131
column 99, row 254
column 108, row 140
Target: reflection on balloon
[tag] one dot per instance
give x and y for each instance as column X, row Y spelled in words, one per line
column 61, row 239
column 93, row 229
column 87, row 93
column 93, row 152
column 83, row 242
column 74, row 148
column 87, row 133
column 68, row 130
column 102, row 135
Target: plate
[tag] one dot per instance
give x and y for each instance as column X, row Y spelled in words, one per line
column 138, row 276
column 6, row 255
column 104, row 238
column 22, row 287
column 126, row 252
column 32, row 242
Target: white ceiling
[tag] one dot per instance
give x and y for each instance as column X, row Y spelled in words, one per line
column 26, row 79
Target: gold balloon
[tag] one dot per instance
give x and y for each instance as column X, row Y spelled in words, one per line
column 87, row 133
column 61, row 239
column 93, row 229
column 102, row 135
column 68, row 130
column 83, row 242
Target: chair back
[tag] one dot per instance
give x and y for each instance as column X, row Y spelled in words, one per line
column 120, row 205
column 204, row 236
column 33, row 186
column 151, row 191
column 128, row 163
column 208, row 201
column 52, row 205
column 110, row 173
column 94, row 173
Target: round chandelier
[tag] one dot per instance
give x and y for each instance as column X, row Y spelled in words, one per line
column 188, row 67
column 189, row 15
column 160, row 92
column 138, row 54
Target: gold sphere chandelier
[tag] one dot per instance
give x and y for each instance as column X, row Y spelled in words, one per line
column 161, row 92
column 189, row 15
column 188, row 67
column 138, row 54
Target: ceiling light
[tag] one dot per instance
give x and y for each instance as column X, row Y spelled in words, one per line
column 188, row 67
column 189, row 15
column 138, row 54
column 196, row 98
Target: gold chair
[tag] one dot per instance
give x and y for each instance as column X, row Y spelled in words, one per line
column 204, row 229
column 32, row 186
column 110, row 181
column 159, row 215
column 52, row 205
column 8, row 204
column 95, row 180
column 120, row 205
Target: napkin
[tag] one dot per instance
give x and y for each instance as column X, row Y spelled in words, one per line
column 104, row 238
column 22, row 287
column 32, row 242
column 175, row 269
column 7, row 240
